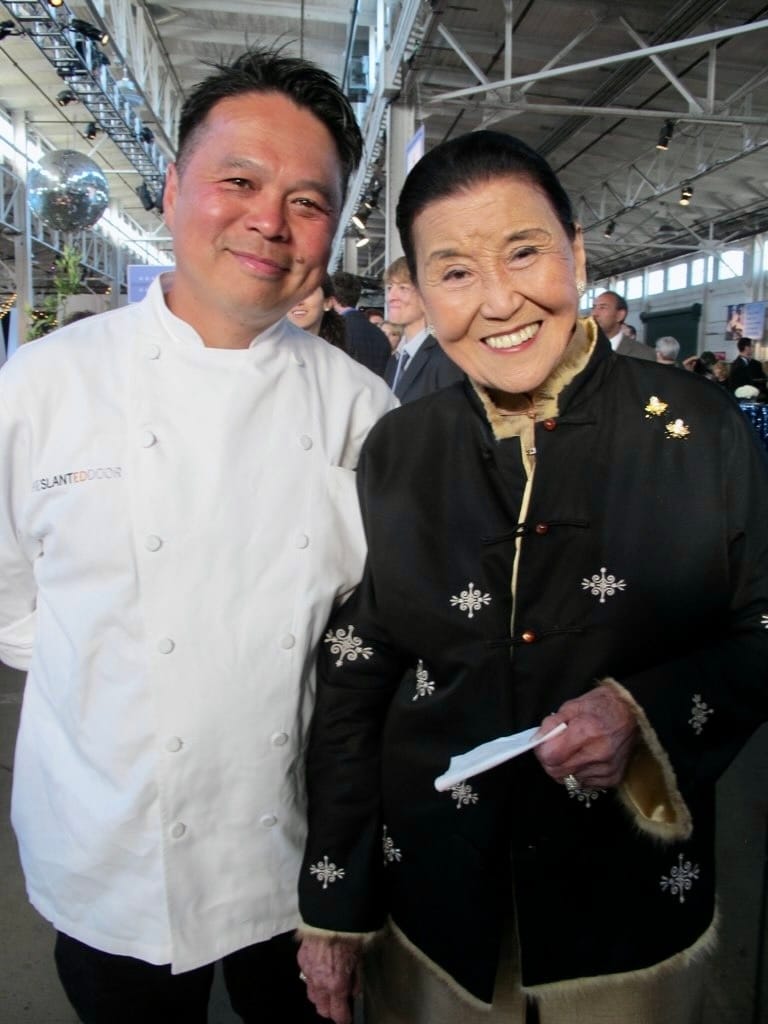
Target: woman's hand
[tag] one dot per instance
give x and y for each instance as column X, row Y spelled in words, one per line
column 331, row 969
column 595, row 747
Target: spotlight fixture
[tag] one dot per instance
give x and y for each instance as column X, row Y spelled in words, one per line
column 364, row 240
column 9, row 28
column 665, row 135
column 610, row 227
column 65, row 97
column 686, row 193
column 360, row 219
column 91, row 131
column 146, row 197
column 55, row 3
column 85, row 28
column 146, row 135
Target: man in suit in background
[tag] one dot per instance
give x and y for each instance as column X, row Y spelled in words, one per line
column 745, row 369
column 365, row 342
column 420, row 365
column 609, row 312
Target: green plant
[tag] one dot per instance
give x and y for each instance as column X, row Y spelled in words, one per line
column 66, row 282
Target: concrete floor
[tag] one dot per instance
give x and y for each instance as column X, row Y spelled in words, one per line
column 738, row 986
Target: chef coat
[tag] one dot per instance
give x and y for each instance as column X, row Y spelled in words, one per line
column 176, row 523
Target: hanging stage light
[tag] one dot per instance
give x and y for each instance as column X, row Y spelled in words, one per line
column 145, row 135
column 65, row 97
column 9, row 28
column 665, row 135
column 85, row 28
column 91, row 131
column 610, row 227
column 686, row 193
column 360, row 219
column 55, row 3
column 362, row 241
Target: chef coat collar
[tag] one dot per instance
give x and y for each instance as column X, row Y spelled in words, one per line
column 186, row 334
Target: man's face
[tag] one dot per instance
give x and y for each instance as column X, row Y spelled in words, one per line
column 404, row 306
column 607, row 314
column 252, row 213
column 747, row 351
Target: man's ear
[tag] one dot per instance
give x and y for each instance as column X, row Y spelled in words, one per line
column 170, row 193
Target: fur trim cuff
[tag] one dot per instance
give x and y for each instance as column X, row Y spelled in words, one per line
column 649, row 788
column 309, row 931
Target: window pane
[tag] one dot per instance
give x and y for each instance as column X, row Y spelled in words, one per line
column 697, row 271
column 655, row 282
column 619, row 288
column 730, row 264
column 635, row 287
column 677, row 276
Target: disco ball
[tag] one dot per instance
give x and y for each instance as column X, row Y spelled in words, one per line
column 67, row 190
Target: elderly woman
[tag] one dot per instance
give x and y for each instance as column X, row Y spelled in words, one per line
column 567, row 537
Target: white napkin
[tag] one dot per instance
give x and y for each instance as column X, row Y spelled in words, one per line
column 488, row 755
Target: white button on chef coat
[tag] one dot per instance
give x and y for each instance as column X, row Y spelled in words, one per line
column 278, row 739
column 306, row 442
column 288, row 641
column 173, row 745
column 178, row 829
column 152, row 542
column 148, row 438
column 302, row 540
column 166, row 645
column 152, row 351
column 268, row 820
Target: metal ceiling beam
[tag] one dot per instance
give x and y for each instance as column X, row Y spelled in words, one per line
column 569, row 109
column 137, row 42
column 406, row 35
column 77, row 61
column 693, row 104
column 601, row 62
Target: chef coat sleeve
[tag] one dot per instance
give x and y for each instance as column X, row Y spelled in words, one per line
column 696, row 712
column 359, row 669
column 17, row 583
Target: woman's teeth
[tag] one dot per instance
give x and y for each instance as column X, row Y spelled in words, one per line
column 514, row 339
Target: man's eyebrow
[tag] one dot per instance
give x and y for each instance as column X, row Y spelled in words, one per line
column 523, row 235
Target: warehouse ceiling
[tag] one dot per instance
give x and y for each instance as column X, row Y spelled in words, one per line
column 593, row 86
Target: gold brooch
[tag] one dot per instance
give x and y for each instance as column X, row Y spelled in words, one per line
column 677, row 429
column 655, row 407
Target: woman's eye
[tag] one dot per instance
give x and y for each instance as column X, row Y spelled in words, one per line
column 456, row 275
column 526, row 253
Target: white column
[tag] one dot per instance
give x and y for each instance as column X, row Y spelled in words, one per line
column 401, row 126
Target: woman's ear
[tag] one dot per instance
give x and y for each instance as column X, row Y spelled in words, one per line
column 579, row 255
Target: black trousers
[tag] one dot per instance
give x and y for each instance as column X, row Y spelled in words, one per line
column 262, row 981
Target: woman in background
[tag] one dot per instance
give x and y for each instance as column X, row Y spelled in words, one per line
column 315, row 315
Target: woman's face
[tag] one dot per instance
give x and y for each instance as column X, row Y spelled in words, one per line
column 309, row 312
column 497, row 275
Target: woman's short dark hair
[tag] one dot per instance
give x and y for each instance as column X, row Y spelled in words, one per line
column 332, row 326
column 463, row 162
column 269, row 71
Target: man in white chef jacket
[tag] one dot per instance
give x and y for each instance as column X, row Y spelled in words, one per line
column 177, row 518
